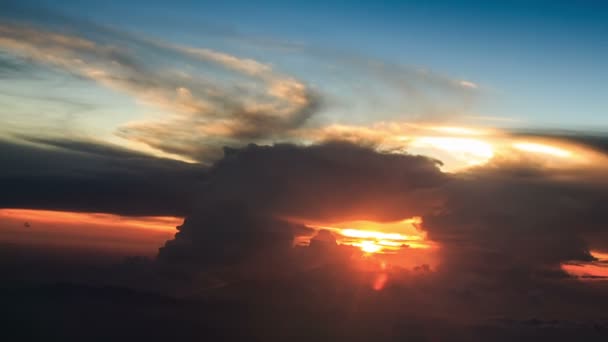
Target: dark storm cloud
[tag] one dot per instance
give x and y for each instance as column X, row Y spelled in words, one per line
column 86, row 176
column 330, row 182
column 252, row 192
column 226, row 233
column 503, row 217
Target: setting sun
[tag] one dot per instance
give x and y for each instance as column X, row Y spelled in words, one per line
column 368, row 246
column 379, row 237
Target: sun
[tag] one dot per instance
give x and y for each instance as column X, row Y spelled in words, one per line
column 378, row 237
column 368, row 246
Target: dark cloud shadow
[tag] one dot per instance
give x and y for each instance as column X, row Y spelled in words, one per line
column 86, row 176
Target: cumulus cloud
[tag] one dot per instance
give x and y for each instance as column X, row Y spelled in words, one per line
column 506, row 216
column 333, row 181
column 258, row 195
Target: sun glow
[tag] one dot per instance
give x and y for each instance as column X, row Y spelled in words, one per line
column 379, row 237
column 368, row 246
column 367, row 234
column 460, row 147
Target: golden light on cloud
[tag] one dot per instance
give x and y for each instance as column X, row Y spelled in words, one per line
column 600, row 255
column 593, row 270
column 379, row 237
column 367, row 234
column 464, row 150
column 543, row 149
column 460, row 147
column 459, row 130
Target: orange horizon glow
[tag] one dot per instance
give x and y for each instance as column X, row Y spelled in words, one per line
column 162, row 223
column 91, row 232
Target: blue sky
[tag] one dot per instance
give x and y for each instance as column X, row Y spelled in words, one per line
column 533, row 64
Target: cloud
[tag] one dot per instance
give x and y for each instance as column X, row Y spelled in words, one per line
column 595, row 140
column 226, row 233
column 206, row 99
column 220, row 99
column 88, row 176
column 333, row 181
column 503, row 229
column 507, row 217
column 255, row 195
column 510, row 217
column 468, row 84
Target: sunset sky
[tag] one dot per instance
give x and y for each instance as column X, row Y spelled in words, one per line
column 434, row 151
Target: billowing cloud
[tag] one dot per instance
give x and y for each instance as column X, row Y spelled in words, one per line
column 261, row 193
column 510, row 215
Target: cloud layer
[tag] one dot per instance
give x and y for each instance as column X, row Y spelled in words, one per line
column 88, row 176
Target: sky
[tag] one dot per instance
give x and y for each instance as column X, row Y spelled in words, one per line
column 304, row 170
column 538, row 65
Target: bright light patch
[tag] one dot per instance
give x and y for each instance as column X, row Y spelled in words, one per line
column 543, row 149
column 366, row 234
column 599, row 255
column 379, row 237
column 368, row 246
column 593, row 270
column 467, row 151
column 458, row 130
column 380, row 281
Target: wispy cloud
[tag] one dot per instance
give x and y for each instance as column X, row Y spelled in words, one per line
column 210, row 99
column 231, row 99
